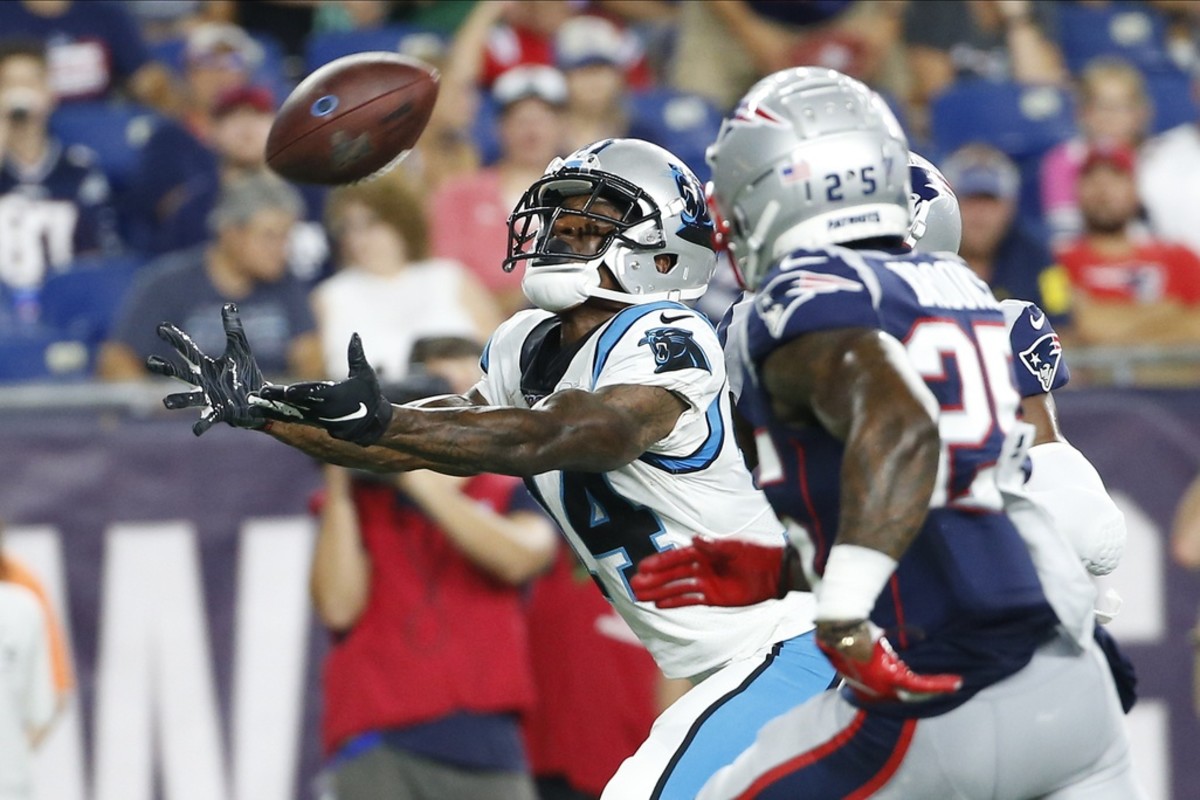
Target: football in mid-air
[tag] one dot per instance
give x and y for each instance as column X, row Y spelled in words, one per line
column 352, row 119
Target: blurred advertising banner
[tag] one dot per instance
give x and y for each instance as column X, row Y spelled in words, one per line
column 183, row 566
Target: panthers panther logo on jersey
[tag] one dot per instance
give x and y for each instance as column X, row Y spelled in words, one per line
column 1042, row 357
column 674, row 348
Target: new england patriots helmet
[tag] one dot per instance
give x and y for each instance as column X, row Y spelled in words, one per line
column 663, row 213
column 810, row 158
column 936, row 221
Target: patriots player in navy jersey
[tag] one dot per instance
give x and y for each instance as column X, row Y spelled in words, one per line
column 879, row 386
column 610, row 398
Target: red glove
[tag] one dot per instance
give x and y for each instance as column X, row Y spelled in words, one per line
column 881, row 675
column 714, row 572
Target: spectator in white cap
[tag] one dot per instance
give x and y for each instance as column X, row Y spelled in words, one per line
column 594, row 55
column 470, row 213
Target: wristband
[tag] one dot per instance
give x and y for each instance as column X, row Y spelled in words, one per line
column 854, row 576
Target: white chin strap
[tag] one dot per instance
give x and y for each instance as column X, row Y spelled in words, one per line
column 560, row 287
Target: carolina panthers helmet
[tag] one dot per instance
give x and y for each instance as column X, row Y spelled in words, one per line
column 663, row 213
column 810, row 158
column 936, row 220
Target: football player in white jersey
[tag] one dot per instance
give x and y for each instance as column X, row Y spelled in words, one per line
column 878, row 380
column 610, row 398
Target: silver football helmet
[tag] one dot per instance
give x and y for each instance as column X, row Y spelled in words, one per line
column 936, row 221
column 810, row 158
column 663, row 213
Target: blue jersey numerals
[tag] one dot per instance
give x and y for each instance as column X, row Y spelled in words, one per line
column 618, row 532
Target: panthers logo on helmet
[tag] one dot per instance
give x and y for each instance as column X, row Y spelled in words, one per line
column 674, row 348
column 1041, row 358
column 697, row 224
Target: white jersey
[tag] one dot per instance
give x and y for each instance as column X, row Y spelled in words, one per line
column 691, row 482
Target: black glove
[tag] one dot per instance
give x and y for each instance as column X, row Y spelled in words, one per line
column 224, row 384
column 353, row 410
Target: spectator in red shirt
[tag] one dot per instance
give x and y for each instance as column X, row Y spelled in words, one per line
column 418, row 577
column 1127, row 289
column 470, row 213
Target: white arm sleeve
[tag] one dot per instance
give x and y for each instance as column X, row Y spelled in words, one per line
column 1066, row 484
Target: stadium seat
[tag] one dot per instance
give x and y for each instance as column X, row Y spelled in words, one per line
column 83, row 301
column 1135, row 32
column 1022, row 121
column 685, row 124
column 40, row 353
column 325, row 47
column 1173, row 97
column 115, row 132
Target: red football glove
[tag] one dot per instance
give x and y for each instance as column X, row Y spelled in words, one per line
column 880, row 674
column 713, row 572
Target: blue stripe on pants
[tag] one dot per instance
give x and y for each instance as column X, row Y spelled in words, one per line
column 794, row 671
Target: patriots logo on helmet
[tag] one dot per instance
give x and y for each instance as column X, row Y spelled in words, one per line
column 674, row 348
column 1042, row 357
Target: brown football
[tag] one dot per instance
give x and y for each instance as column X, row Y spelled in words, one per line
column 352, row 118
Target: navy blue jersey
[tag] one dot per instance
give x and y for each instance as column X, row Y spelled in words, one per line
column 93, row 46
column 965, row 597
column 52, row 213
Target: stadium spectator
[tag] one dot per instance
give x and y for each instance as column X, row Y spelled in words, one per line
column 63, row 675
column 419, row 579
column 989, row 39
column 386, row 286
column 218, row 58
column 1126, row 289
column 757, row 37
column 592, row 53
column 1013, row 261
column 587, row 663
column 1169, row 180
column 95, row 50
column 54, row 203
column 1114, row 110
column 470, row 214
column 242, row 118
column 164, row 20
column 27, row 704
column 246, row 263
column 447, row 148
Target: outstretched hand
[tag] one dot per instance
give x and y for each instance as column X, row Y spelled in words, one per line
column 353, row 410
column 223, row 384
column 862, row 655
column 714, row 572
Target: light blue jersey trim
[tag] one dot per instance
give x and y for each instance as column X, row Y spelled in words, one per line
column 620, row 325
column 702, row 456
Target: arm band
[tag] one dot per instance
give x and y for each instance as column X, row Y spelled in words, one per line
column 854, row 577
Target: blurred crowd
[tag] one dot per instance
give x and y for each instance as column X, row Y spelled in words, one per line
column 134, row 189
column 133, row 186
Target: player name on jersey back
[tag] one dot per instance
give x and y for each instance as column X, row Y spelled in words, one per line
column 944, row 284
